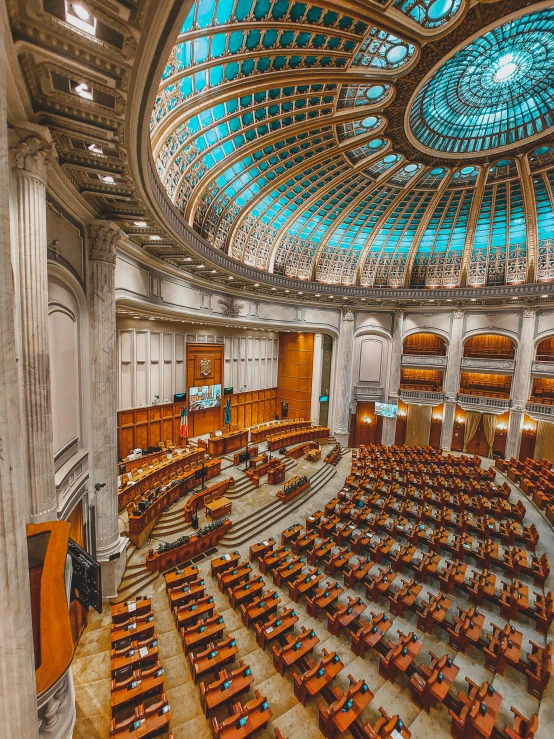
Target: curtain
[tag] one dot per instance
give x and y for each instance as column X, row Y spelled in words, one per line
column 418, row 425
column 544, row 443
column 489, row 427
column 472, row 422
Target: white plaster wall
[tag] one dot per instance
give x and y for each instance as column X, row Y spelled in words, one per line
column 153, row 362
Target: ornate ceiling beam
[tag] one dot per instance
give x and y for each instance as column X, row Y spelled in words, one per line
column 531, row 228
column 472, row 223
column 255, row 25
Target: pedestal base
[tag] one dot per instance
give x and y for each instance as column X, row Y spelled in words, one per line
column 113, row 569
column 342, row 439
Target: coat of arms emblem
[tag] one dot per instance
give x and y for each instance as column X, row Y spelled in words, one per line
column 205, row 367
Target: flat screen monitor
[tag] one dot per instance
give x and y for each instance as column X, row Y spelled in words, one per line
column 204, row 397
column 323, row 398
column 388, row 410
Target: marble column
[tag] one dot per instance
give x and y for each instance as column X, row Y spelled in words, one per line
column 451, row 382
column 110, row 547
column 18, row 699
column 317, row 368
column 343, row 382
column 29, row 157
column 521, row 382
column 388, row 432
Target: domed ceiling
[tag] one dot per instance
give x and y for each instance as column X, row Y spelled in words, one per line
column 406, row 145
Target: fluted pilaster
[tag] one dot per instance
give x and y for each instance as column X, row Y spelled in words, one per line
column 452, row 379
column 343, row 384
column 18, row 705
column 521, row 382
column 102, row 240
column 29, row 158
column 388, row 432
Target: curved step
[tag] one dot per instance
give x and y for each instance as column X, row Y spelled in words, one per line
column 273, row 512
column 134, row 578
column 135, row 588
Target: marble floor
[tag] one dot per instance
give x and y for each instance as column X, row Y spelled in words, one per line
column 91, row 667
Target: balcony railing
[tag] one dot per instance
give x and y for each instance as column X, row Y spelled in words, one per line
column 483, row 400
column 419, row 360
column 543, row 368
column 421, row 395
column 540, row 409
column 489, row 365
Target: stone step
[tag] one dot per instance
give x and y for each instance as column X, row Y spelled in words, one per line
column 135, row 588
column 273, row 512
column 135, row 578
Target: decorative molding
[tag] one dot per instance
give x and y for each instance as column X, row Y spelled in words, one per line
column 529, row 312
column 412, row 360
column 499, row 365
column 536, row 411
column 543, row 368
column 103, row 237
column 458, row 314
column 230, row 308
column 489, row 405
column 348, row 314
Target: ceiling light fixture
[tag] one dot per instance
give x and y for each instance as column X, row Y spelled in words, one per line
column 140, row 224
column 155, row 237
column 83, row 90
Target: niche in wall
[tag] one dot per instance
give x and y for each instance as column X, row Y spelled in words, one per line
column 211, row 419
column 63, row 333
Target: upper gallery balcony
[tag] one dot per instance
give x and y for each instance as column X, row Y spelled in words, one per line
column 424, row 349
column 489, row 352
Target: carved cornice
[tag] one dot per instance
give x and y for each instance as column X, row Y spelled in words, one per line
column 410, row 360
column 498, row 365
column 348, row 315
column 458, row 314
column 102, row 238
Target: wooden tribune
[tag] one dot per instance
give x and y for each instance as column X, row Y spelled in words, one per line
column 159, row 562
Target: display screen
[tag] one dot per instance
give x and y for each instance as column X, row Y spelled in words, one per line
column 386, row 409
column 323, row 398
column 204, row 397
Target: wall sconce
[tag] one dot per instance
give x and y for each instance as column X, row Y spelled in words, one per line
column 529, row 427
column 501, row 427
column 437, row 418
column 367, row 419
column 401, row 414
column 460, row 420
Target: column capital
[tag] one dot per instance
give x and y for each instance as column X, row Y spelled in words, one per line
column 459, row 314
column 398, row 313
column 347, row 314
column 529, row 312
column 102, row 238
column 31, row 150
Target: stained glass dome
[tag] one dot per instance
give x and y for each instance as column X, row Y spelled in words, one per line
column 334, row 147
column 495, row 92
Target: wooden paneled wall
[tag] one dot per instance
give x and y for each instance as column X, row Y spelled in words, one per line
column 257, row 406
column 421, row 379
column 203, row 422
column 294, row 383
column 486, row 382
column 489, row 345
column 425, row 343
column 479, row 444
column 545, row 350
column 146, row 427
column 362, row 432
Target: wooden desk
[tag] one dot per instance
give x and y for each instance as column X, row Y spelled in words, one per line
column 230, row 578
column 134, row 656
column 288, row 571
column 197, row 500
column 245, row 591
column 149, row 726
column 400, row 656
column 277, row 626
column 294, row 649
column 226, row 443
column 273, row 559
column 202, row 633
column 345, row 615
column 260, row 433
column 138, row 487
column 214, row 656
column 238, row 457
column 313, row 455
column 191, row 613
column 317, row 677
column 225, row 562
column 225, row 688
column 245, row 720
column 482, row 723
column 218, row 508
column 304, row 584
column 137, row 688
column 371, row 634
column 160, row 561
column 141, row 523
column 259, row 608
column 277, row 441
column 323, row 598
column 290, row 534
column 180, row 576
column 134, row 631
column 259, row 550
column 186, row 593
column 344, row 711
column 138, row 606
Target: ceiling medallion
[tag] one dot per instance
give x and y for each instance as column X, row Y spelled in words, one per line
column 495, row 92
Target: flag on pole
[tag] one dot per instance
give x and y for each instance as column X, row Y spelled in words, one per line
column 227, row 419
column 183, row 426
